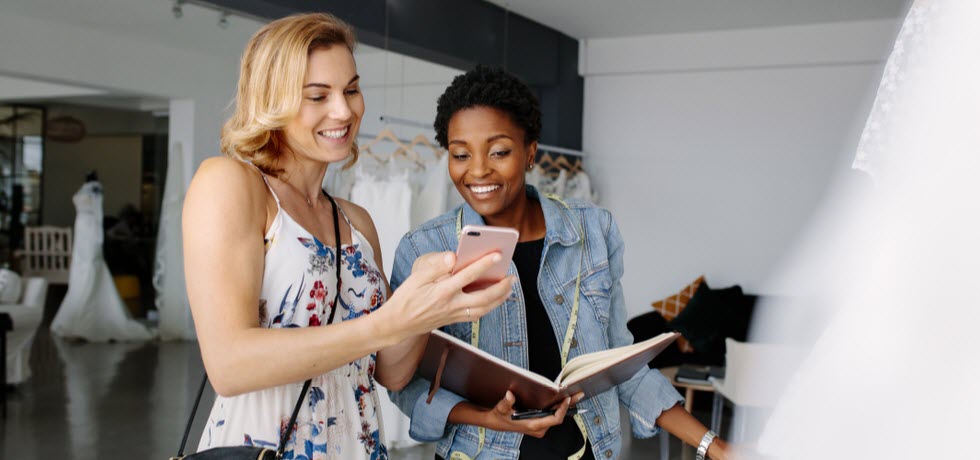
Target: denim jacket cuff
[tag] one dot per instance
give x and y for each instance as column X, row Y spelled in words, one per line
column 429, row 420
column 653, row 395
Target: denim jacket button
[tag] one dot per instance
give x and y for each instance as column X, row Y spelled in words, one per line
column 597, row 420
column 608, row 453
column 560, row 299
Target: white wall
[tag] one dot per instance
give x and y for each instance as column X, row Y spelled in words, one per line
column 401, row 86
column 712, row 149
column 118, row 160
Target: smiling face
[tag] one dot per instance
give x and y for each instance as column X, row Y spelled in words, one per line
column 488, row 158
column 330, row 113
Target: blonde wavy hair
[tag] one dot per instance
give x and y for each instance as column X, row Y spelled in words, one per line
column 270, row 85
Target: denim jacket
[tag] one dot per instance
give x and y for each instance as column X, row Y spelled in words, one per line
column 503, row 332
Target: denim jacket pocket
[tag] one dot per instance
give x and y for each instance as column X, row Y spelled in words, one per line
column 596, row 287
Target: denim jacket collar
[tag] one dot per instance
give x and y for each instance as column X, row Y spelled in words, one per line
column 560, row 225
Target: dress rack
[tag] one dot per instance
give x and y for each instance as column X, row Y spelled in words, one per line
column 417, row 124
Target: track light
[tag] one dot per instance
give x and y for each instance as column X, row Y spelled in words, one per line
column 223, row 20
column 178, row 9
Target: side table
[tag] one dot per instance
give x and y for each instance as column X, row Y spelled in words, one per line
column 689, row 389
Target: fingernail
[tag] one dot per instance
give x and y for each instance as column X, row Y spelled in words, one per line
column 448, row 259
column 496, row 257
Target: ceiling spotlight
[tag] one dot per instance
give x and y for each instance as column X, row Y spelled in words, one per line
column 178, row 9
column 223, row 20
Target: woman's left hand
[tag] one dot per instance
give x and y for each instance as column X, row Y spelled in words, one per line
column 719, row 450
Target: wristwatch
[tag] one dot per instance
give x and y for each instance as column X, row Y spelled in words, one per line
column 705, row 443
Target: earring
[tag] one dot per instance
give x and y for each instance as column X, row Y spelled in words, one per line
column 530, row 166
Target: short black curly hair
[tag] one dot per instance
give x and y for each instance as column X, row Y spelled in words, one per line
column 489, row 87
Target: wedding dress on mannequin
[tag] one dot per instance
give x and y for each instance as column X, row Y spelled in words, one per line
column 92, row 309
column 887, row 270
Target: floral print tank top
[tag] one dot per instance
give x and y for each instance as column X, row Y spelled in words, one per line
column 340, row 417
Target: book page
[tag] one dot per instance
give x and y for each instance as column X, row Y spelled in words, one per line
column 583, row 366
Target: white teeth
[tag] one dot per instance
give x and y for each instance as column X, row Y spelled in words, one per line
column 336, row 134
column 484, row 189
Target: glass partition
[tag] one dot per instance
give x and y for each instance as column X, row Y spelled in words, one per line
column 21, row 158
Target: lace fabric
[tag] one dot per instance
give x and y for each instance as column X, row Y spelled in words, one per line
column 880, row 287
column 168, row 269
column 878, row 135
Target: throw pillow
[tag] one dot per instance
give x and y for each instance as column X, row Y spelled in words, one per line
column 10, row 287
column 648, row 326
column 671, row 306
column 707, row 320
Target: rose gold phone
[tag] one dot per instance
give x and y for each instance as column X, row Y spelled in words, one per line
column 476, row 241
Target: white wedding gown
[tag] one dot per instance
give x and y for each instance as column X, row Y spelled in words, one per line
column 168, row 269
column 92, row 309
column 885, row 316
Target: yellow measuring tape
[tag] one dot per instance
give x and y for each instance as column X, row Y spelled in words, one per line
column 565, row 348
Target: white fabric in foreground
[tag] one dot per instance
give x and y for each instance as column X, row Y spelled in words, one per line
column 890, row 272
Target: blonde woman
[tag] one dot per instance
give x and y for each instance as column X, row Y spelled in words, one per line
column 262, row 268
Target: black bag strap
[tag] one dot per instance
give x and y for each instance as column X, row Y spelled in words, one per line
column 306, row 385
column 187, row 429
column 337, row 252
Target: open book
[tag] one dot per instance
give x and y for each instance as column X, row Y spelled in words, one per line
column 484, row 379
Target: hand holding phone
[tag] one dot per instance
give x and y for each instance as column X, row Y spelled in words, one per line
column 476, row 241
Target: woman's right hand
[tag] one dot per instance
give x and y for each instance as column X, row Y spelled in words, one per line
column 499, row 418
column 432, row 297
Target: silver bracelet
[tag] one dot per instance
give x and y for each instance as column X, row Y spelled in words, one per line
column 705, row 443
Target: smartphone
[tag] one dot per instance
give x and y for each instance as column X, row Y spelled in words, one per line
column 544, row 413
column 476, row 241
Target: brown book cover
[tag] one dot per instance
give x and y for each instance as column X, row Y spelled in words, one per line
column 484, row 379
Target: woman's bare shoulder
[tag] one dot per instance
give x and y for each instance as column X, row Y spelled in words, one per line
column 227, row 184
column 225, row 168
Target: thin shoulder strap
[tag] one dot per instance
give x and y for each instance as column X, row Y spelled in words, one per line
column 268, row 185
column 342, row 212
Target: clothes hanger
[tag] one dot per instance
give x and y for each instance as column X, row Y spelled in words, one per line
column 409, row 153
column 366, row 151
column 421, row 139
column 548, row 165
column 411, row 156
column 563, row 163
column 386, row 134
